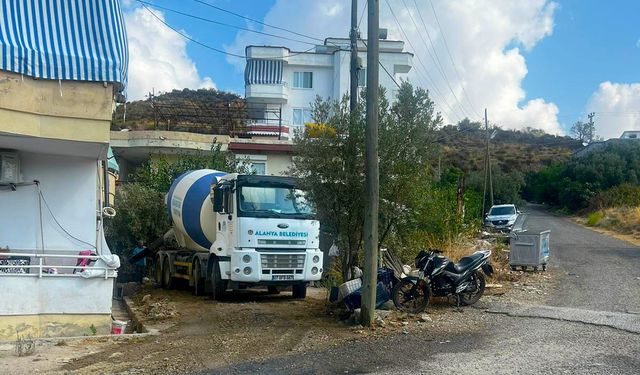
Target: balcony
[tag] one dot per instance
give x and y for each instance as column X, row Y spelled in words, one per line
column 267, row 128
column 276, row 93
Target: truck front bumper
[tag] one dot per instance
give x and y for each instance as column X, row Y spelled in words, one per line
column 271, row 265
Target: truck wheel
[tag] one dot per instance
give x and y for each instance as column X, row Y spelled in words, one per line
column 158, row 272
column 299, row 290
column 198, row 281
column 167, row 280
column 218, row 286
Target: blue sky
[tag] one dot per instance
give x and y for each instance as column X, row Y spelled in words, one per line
column 531, row 63
column 592, row 42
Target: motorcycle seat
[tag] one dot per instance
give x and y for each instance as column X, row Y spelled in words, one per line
column 468, row 261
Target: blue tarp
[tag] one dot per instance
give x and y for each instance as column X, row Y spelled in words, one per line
column 79, row 40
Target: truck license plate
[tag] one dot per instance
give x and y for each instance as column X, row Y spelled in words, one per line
column 281, row 277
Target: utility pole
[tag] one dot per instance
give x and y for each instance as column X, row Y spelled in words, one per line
column 592, row 126
column 155, row 109
column 486, row 164
column 370, row 273
column 486, row 125
column 353, row 34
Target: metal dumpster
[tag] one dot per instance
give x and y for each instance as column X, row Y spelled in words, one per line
column 528, row 249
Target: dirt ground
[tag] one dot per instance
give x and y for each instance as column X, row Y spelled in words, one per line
column 196, row 333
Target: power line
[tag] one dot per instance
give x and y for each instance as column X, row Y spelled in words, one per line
column 435, row 88
column 190, row 38
column 206, row 45
column 259, row 22
column 224, row 24
column 434, row 57
column 446, row 45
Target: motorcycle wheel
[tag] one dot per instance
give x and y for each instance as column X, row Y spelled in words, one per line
column 411, row 295
column 470, row 298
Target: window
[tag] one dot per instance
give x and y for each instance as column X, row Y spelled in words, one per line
column 257, row 164
column 301, row 116
column 302, row 80
column 362, row 78
column 273, row 201
column 497, row 211
column 259, row 167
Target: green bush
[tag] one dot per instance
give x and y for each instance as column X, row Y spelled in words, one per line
column 594, row 218
column 625, row 195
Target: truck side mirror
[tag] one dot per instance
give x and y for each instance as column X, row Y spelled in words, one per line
column 218, row 199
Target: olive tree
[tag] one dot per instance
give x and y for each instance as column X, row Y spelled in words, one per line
column 330, row 163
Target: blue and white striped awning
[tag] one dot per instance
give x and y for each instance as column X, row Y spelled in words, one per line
column 80, row 40
column 261, row 71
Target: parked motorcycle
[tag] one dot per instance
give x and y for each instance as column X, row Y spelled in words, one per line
column 438, row 276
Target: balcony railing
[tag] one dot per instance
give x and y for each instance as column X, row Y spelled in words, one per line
column 46, row 269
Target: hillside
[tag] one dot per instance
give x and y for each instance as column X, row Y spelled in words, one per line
column 205, row 111
column 522, row 151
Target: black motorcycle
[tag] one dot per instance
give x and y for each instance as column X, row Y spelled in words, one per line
column 440, row 277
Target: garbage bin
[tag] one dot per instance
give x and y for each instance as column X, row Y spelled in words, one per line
column 529, row 249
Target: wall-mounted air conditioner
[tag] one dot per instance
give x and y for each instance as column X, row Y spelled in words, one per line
column 9, row 167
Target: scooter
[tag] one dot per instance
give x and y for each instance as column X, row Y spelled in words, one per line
column 438, row 276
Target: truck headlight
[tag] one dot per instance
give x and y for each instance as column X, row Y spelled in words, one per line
column 246, row 258
column 247, row 271
column 314, row 271
column 316, row 259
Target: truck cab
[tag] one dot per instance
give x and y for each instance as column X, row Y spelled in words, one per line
column 266, row 232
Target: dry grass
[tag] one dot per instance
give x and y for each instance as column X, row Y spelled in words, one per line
column 624, row 220
column 455, row 249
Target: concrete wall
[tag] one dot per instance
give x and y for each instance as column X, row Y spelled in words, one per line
column 278, row 164
column 68, row 184
column 54, row 306
column 67, row 110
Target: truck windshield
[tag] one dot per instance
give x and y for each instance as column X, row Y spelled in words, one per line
column 273, row 201
column 502, row 211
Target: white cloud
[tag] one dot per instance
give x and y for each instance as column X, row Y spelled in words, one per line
column 617, row 108
column 485, row 38
column 158, row 57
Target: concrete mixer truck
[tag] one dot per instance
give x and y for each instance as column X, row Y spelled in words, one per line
column 236, row 231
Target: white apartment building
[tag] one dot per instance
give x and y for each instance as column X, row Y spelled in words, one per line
column 280, row 84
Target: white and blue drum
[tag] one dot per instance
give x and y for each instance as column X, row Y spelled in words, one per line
column 191, row 210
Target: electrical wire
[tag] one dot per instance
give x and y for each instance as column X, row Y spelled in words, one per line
column 257, row 21
column 224, row 24
column 190, row 38
column 418, row 72
column 208, row 46
column 436, row 60
column 56, row 220
column 446, row 45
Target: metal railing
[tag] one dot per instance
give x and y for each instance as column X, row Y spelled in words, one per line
column 43, row 268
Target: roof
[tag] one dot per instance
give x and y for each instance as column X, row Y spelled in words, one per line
column 79, row 40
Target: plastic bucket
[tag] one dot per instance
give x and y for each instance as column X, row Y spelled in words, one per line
column 118, row 327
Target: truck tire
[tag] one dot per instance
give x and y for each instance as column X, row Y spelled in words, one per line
column 198, row 280
column 157, row 265
column 167, row 280
column 299, row 290
column 218, row 286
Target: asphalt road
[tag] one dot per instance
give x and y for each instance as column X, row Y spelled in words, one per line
column 597, row 272
column 591, row 323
